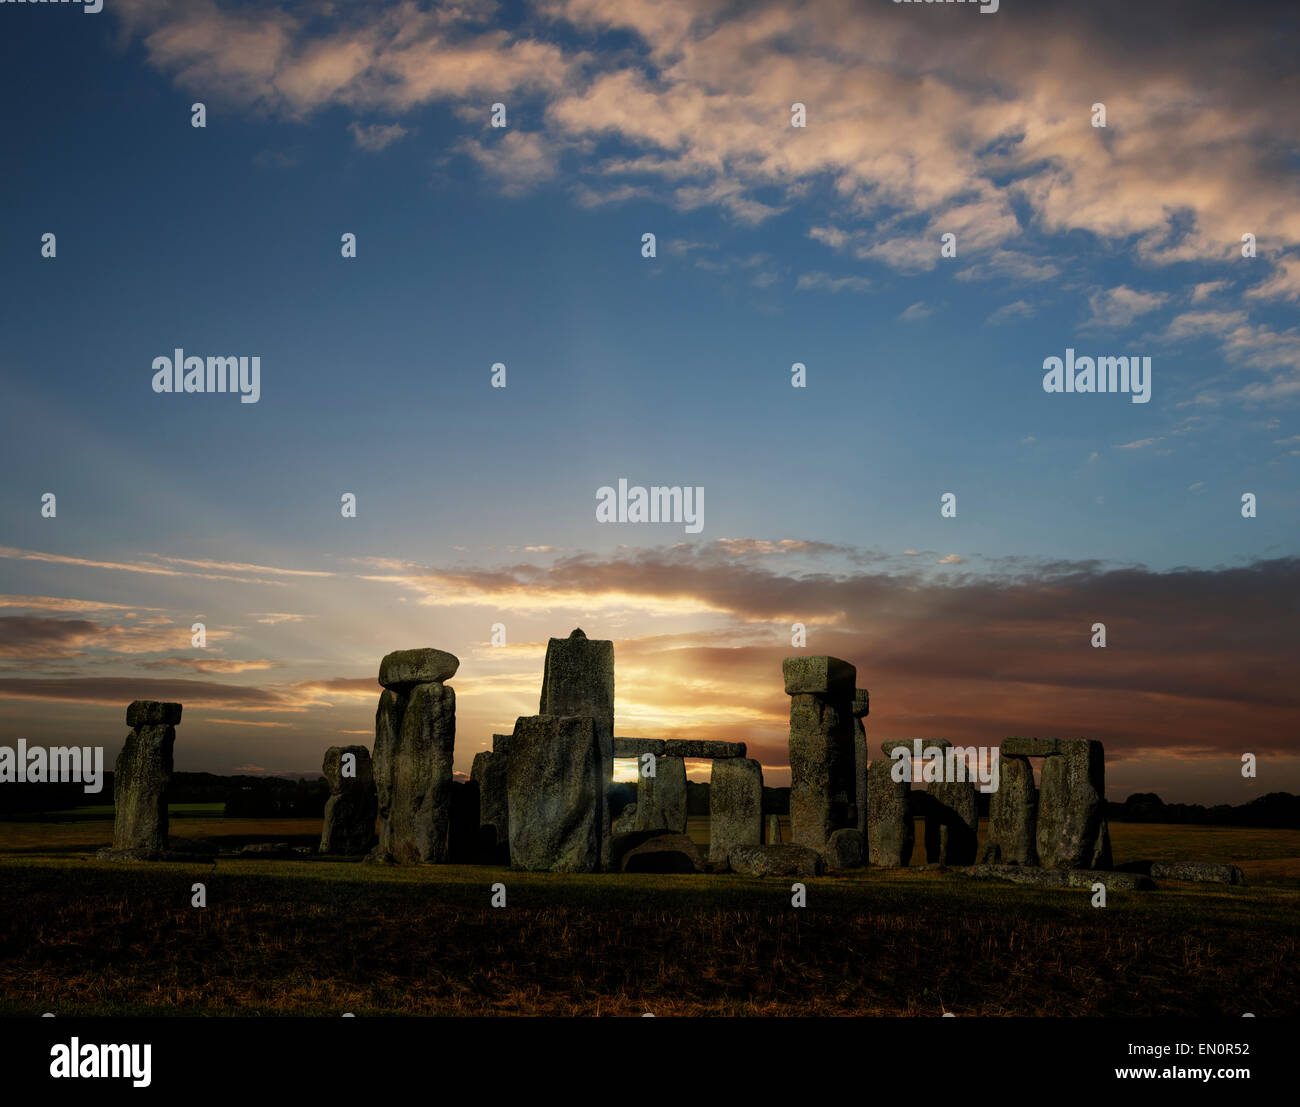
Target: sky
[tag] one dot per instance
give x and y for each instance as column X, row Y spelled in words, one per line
column 774, row 245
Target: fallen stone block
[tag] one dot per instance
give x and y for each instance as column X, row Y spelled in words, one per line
column 664, row 853
column 776, row 860
column 1203, row 871
column 844, row 850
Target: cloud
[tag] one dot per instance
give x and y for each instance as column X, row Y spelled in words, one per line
column 1119, row 306
column 376, row 136
column 1140, row 444
column 1282, row 284
column 518, row 160
column 825, row 282
column 916, row 312
column 1009, row 313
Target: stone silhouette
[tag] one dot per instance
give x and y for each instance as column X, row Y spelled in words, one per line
column 141, row 775
column 352, row 807
column 415, row 736
column 556, row 794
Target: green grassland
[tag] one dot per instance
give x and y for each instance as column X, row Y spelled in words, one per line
column 323, row 935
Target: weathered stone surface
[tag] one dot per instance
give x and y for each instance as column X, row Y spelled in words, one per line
column 661, row 799
column 735, row 806
column 821, row 767
column 402, row 670
column 140, row 778
column 861, row 703
column 388, row 727
column 624, row 822
column 1064, row 878
column 556, row 793
column 909, row 744
column 1013, row 815
column 578, row 680
column 859, row 773
column 1197, row 870
column 844, row 849
column 1032, row 747
column 352, row 807
column 153, row 713
column 703, row 747
column 821, row 675
column 500, row 743
column 773, row 836
column 664, row 853
column 1072, row 830
column 774, row 860
column 890, row 830
column 489, row 772
column 951, row 823
column 268, row 850
column 109, row 854
column 635, row 747
column 419, row 816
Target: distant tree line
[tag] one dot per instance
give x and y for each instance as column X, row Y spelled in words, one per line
column 243, row 796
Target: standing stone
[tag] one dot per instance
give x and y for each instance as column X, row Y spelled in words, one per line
column 951, row 823
column 1072, row 830
column 821, row 746
column 661, row 799
column 140, row 777
column 890, row 832
column 1013, row 815
column 861, row 708
column 489, row 772
column 844, row 849
column 350, row 811
column 420, row 809
column 773, row 830
column 735, row 806
column 578, row 679
column 388, row 726
column 555, row 791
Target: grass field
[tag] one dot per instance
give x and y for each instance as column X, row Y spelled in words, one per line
column 322, row 936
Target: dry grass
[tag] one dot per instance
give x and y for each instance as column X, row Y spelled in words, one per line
column 320, row 937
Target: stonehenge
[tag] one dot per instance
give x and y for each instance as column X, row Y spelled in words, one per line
column 661, row 797
column 1012, row 837
column 891, row 832
column 556, row 788
column 578, row 680
column 350, row 811
column 415, row 736
column 821, row 691
column 140, row 777
column 735, row 806
column 861, row 709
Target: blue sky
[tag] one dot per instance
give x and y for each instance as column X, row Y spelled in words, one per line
column 476, row 245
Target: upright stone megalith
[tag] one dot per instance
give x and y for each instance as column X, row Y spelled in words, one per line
column 661, row 799
column 861, row 709
column 821, row 691
column 1013, row 815
column 578, row 679
column 489, row 772
column 1072, row 829
column 890, row 830
column 555, row 791
column 951, row 822
column 415, row 737
column 350, row 811
column 735, row 806
column 141, row 775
